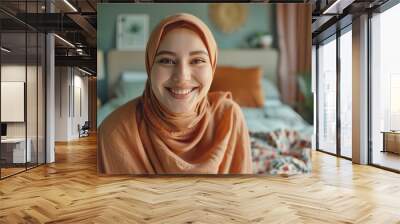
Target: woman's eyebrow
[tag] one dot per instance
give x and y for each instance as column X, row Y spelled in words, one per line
column 174, row 54
column 198, row 52
column 165, row 52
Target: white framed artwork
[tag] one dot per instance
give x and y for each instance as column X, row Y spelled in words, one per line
column 12, row 101
column 132, row 31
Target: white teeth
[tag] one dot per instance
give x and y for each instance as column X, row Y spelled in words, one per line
column 181, row 91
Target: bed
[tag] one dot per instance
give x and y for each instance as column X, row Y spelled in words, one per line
column 280, row 137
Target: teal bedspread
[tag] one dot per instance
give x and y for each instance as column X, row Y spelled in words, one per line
column 276, row 116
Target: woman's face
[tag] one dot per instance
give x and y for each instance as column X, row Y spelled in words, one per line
column 181, row 74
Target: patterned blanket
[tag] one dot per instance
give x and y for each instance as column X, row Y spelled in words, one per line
column 280, row 152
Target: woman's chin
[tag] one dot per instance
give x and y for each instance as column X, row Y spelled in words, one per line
column 180, row 109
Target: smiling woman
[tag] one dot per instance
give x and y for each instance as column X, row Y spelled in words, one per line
column 177, row 126
column 182, row 71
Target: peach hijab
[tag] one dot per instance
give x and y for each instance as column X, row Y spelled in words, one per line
column 143, row 137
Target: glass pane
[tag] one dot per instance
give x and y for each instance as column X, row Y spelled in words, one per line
column 327, row 97
column 346, row 94
column 23, row 82
column 41, row 98
column 31, row 98
column 313, row 85
column 13, row 87
column 386, row 89
column 31, row 86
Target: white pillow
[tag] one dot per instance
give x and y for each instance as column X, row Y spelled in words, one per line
column 131, row 84
column 133, row 76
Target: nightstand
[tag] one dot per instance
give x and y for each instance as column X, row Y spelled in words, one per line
column 391, row 141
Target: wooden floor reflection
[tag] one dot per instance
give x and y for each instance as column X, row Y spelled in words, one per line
column 387, row 159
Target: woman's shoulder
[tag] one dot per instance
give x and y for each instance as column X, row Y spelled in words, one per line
column 125, row 114
column 222, row 102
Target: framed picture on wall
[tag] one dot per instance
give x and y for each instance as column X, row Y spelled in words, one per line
column 12, row 101
column 132, row 31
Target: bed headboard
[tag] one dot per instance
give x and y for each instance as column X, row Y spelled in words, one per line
column 120, row 61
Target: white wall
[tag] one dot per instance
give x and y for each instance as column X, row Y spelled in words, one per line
column 61, row 103
column 71, row 93
column 79, row 112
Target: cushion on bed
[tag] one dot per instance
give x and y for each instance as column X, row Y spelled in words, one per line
column 244, row 84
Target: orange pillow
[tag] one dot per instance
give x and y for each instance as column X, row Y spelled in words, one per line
column 244, row 84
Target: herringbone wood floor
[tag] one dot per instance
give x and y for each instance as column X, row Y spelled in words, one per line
column 69, row 191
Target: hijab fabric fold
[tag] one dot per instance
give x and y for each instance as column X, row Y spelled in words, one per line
column 143, row 137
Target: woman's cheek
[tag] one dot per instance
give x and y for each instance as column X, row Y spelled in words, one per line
column 160, row 76
column 205, row 78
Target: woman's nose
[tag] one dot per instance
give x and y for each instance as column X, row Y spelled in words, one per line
column 182, row 72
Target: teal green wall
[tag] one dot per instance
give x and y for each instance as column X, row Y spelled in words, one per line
column 260, row 18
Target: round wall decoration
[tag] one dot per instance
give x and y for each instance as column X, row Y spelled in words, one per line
column 228, row 17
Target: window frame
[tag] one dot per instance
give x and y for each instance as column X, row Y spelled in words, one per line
column 346, row 27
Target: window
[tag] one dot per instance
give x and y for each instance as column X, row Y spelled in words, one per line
column 22, row 77
column 385, row 88
column 327, row 96
column 346, row 94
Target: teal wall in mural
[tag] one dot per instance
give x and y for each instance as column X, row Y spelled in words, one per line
column 261, row 18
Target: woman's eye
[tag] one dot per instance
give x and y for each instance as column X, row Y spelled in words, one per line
column 198, row 61
column 166, row 61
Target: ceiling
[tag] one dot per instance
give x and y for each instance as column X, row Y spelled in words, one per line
column 332, row 15
column 73, row 20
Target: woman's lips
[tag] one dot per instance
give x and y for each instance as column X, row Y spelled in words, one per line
column 181, row 93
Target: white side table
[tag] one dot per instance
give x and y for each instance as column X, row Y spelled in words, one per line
column 18, row 149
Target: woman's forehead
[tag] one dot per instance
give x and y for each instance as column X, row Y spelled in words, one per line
column 180, row 31
column 181, row 38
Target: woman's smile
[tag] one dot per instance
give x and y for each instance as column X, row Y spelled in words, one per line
column 181, row 93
